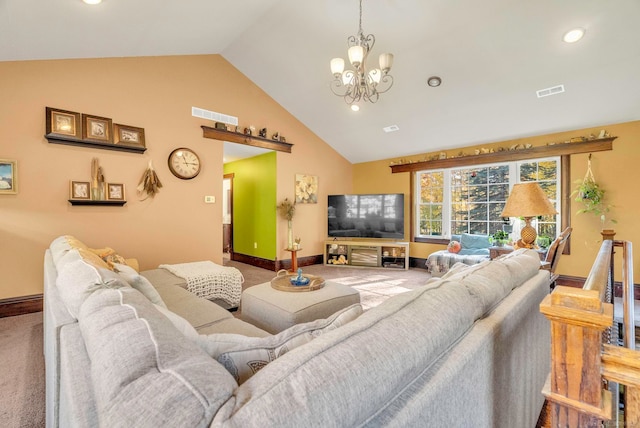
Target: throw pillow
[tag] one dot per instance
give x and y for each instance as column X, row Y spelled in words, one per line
column 454, row 247
column 474, row 242
column 243, row 356
column 139, row 282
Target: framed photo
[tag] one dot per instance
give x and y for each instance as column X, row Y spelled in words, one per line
column 128, row 135
column 115, row 192
column 63, row 122
column 306, row 189
column 79, row 190
column 8, row 177
column 96, row 128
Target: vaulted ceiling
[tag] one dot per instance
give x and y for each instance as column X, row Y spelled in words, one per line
column 492, row 56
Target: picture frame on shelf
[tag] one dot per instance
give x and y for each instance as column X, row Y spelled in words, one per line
column 128, row 135
column 79, row 190
column 115, row 192
column 96, row 128
column 8, row 177
column 64, row 123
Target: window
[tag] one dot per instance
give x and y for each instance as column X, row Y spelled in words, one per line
column 471, row 199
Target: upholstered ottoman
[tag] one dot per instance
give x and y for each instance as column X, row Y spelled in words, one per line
column 274, row 310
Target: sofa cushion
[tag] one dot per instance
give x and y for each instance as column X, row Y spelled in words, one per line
column 145, row 373
column 139, row 282
column 474, row 252
column 78, row 279
column 243, row 356
column 181, row 324
column 62, row 244
column 490, row 281
column 474, row 242
column 380, row 353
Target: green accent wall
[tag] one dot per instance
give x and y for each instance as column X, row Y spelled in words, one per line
column 254, row 205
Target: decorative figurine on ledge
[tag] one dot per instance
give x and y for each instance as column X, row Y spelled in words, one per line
column 299, row 280
column 263, row 133
column 247, row 131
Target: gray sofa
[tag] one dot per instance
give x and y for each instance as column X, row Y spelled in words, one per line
column 467, row 350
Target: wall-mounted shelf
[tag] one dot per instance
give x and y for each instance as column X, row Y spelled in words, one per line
column 249, row 140
column 97, row 203
column 560, row 149
column 56, row 139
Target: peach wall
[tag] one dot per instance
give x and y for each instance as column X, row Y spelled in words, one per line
column 155, row 93
column 613, row 170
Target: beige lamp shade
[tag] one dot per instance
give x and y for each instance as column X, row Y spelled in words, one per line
column 527, row 200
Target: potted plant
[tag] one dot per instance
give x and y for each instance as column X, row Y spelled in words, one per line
column 591, row 195
column 500, row 238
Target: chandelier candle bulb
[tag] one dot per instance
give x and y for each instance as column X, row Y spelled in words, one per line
column 337, row 67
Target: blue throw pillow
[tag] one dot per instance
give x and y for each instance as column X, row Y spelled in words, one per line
column 474, row 242
column 474, row 252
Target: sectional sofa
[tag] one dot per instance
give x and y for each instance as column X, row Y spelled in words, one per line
column 467, row 350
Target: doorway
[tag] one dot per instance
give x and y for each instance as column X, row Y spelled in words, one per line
column 227, row 216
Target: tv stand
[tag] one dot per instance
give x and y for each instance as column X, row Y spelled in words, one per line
column 383, row 254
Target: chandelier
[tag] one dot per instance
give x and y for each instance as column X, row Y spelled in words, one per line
column 359, row 84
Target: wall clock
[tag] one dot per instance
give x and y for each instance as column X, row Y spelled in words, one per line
column 184, row 163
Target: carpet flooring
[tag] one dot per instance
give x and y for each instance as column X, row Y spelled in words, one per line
column 21, row 346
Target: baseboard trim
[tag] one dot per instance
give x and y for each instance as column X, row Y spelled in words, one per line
column 253, row 261
column 419, row 263
column 21, row 305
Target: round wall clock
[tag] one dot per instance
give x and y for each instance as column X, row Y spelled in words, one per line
column 184, row 163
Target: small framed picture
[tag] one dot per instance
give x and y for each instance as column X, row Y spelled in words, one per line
column 128, row 135
column 63, row 122
column 80, row 190
column 115, row 192
column 96, row 128
column 8, row 177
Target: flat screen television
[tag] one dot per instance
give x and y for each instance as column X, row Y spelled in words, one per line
column 366, row 216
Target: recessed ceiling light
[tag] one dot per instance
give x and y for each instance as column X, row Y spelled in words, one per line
column 391, row 128
column 355, row 107
column 92, row 1
column 434, row 81
column 574, row 35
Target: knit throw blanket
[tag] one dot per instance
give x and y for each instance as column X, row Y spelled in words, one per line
column 210, row 281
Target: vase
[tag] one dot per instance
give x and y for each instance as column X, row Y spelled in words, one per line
column 290, row 234
column 607, row 234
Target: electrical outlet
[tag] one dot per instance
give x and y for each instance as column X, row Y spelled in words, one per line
column 255, row 245
column 209, row 199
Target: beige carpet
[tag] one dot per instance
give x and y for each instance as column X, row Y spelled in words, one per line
column 21, row 348
column 21, row 371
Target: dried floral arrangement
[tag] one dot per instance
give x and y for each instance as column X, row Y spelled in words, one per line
column 287, row 209
column 149, row 183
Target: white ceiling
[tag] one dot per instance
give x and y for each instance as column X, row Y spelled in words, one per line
column 492, row 56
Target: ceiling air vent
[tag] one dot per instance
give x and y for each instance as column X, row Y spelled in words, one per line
column 391, row 128
column 550, row 91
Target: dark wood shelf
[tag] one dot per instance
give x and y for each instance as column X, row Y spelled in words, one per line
column 560, row 149
column 249, row 140
column 97, row 203
column 56, row 139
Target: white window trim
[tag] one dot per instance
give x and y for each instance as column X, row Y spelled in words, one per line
column 446, row 200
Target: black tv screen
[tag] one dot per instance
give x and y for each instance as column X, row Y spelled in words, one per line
column 366, row 216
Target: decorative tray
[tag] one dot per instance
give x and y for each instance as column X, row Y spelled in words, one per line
column 283, row 278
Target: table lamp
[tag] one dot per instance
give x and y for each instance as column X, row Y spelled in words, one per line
column 527, row 200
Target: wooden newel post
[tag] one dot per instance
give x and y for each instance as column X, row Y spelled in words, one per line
column 575, row 391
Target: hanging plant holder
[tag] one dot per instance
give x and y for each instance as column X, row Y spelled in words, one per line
column 591, row 195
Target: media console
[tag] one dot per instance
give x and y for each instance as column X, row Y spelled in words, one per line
column 366, row 254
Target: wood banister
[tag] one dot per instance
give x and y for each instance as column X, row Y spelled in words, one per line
column 580, row 363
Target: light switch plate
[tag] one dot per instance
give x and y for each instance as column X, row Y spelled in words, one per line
column 209, row 199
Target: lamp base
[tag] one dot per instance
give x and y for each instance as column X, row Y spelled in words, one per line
column 528, row 235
